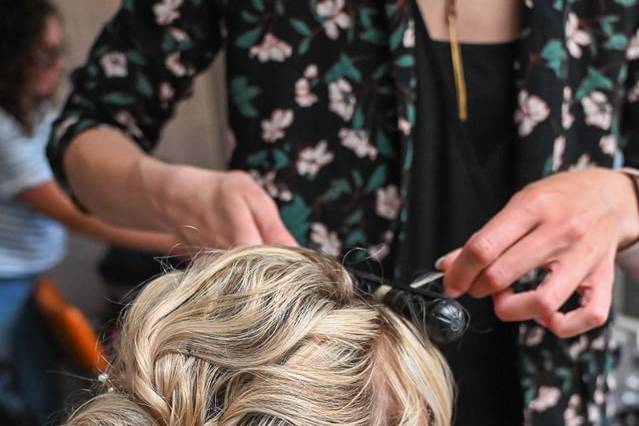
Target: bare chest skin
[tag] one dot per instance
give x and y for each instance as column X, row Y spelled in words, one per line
column 478, row 21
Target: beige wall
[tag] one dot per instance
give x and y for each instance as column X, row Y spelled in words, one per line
column 196, row 136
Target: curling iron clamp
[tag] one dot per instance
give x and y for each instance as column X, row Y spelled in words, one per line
column 443, row 318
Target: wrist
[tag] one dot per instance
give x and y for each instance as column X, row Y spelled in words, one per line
column 160, row 188
column 178, row 192
column 628, row 207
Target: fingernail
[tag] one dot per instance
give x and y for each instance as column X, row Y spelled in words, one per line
column 438, row 263
column 454, row 294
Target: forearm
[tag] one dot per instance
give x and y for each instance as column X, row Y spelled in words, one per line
column 117, row 181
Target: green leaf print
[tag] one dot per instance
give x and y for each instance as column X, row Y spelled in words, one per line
column 555, row 56
column 258, row 159
column 246, row 94
column 143, row 85
column 366, row 17
column 337, row 188
column 623, row 73
column 377, row 179
column 249, row 38
column 406, row 60
column 168, row 42
column 343, row 68
column 411, row 114
column 381, row 71
column 593, row 81
column 529, row 395
column 397, row 37
column 119, row 99
column 92, row 70
column 355, row 218
column 358, row 180
column 355, row 238
column 358, row 118
column 304, row 46
column 281, row 159
column 258, row 4
column 135, row 57
column 295, row 216
column 247, row 110
column 384, row 145
column 128, row 5
column 374, row 36
column 301, row 27
column 616, row 42
column 607, row 24
column 407, row 161
column 548, row 166
column 242, row 94
column 249, row 17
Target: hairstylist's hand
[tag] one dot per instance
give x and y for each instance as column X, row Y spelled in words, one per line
column 222, row 209
column 571, row 224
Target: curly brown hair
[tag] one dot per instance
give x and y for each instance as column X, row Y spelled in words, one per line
column 22, row 24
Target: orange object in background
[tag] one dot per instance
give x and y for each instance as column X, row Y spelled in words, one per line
column 71, row 327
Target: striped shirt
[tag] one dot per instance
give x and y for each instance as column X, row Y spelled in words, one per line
column 30, row 243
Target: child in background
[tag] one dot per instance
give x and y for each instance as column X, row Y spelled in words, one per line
column 33, row 207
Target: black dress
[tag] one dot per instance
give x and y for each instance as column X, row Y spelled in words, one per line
column 461, row 176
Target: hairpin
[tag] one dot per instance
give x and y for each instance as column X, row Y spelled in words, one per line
column 443, row 318
column 103, row 377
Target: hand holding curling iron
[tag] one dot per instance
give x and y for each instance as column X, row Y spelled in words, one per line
column 571, row 225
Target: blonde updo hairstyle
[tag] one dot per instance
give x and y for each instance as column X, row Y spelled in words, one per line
column 267, row 336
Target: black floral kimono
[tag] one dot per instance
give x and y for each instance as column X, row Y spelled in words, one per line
column 322, row 111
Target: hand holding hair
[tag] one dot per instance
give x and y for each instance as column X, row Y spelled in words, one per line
column 202, row 208
column 222, row 210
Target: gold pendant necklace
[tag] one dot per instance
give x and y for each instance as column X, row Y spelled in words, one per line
column 458, row 63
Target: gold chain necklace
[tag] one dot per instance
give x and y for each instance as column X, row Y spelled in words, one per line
column 458, row 63
column 456, row 56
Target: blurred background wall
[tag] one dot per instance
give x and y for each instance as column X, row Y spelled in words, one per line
column 195, row 137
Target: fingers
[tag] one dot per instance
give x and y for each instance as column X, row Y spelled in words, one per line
column 529, row 253
column 483, row 248
column 231, row 222
column 445, row 262
column 565, row 276
column 269, row 223
column 245, row 231
column 541, row 302
column 596, row 292
column 266, row 224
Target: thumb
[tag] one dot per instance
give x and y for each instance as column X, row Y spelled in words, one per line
column 270, row 225
column 443, row 264
column 275, row 232
column 446, row 261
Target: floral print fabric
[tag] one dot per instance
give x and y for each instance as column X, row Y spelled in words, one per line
column 322, row 110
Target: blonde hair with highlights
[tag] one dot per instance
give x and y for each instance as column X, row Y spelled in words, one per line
column 268, row 336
